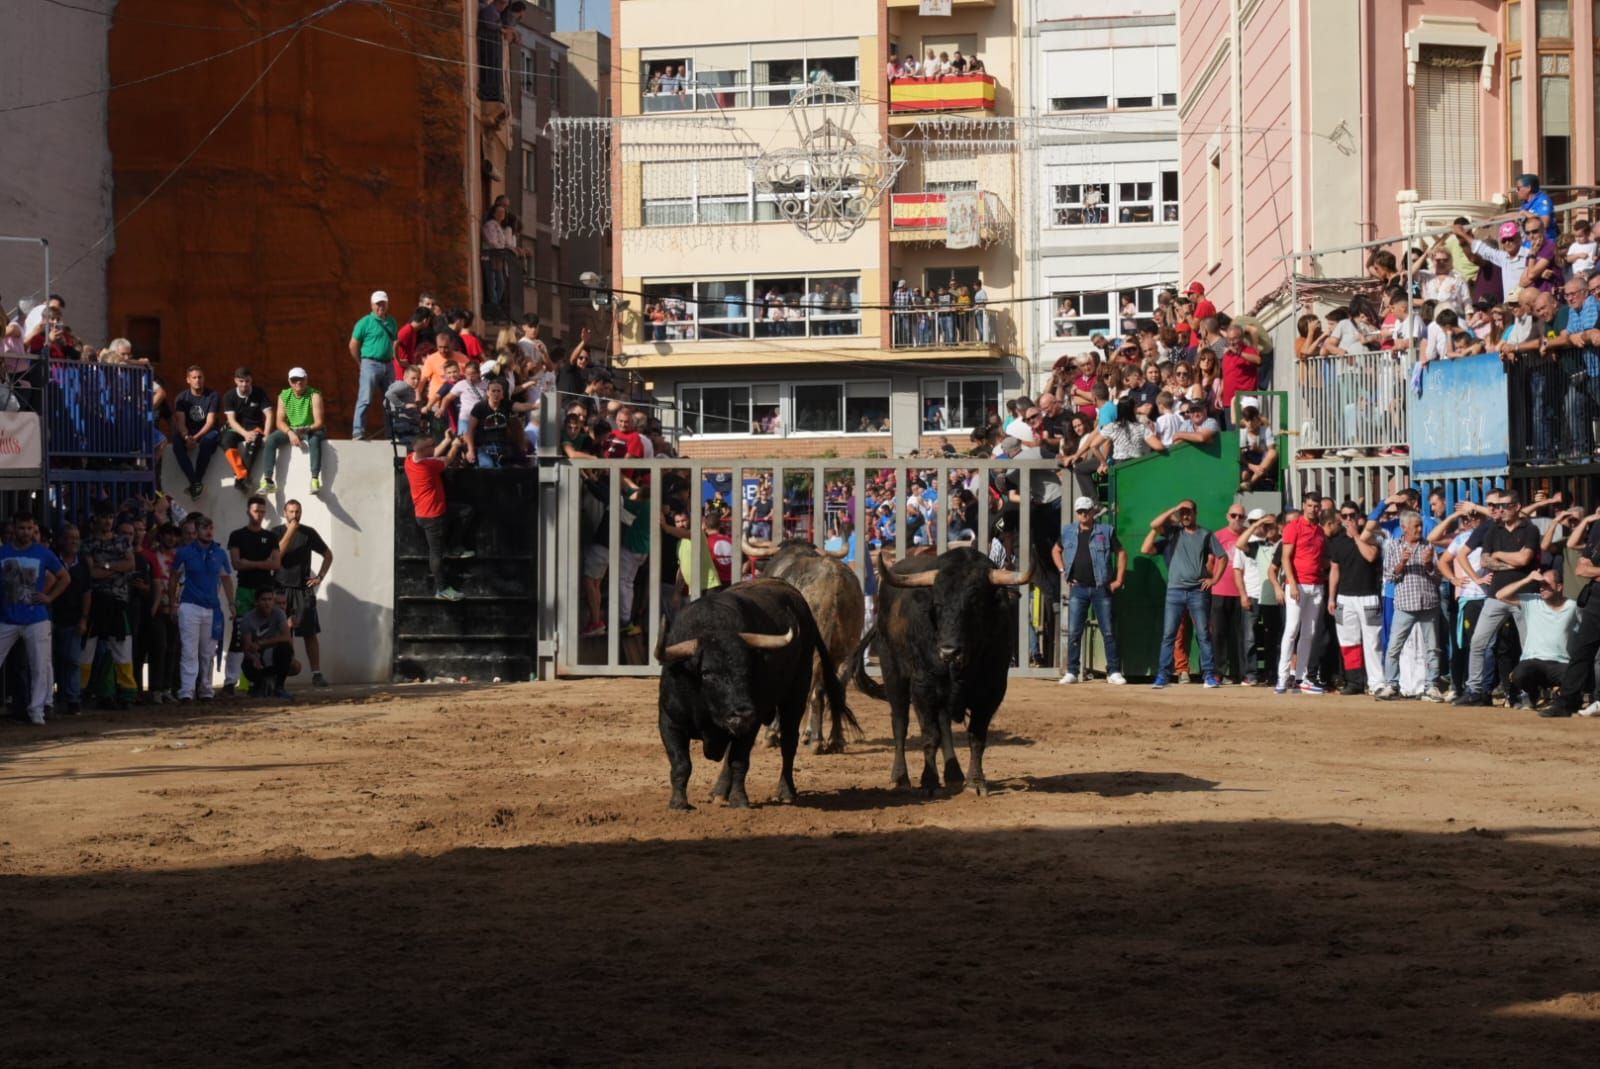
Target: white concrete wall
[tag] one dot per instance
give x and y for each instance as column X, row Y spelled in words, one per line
column 56, row 181
column 355, row 516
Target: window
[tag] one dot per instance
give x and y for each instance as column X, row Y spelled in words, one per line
column 555, row 82
column 959, row 404
column 530, row 73
column 815, row 408
column 696, row 192
column 1133, row 78
column 1514, row 23
column 1446, row 101
column 1081, row 313
column 666, row 85
column 1167, row 75
column 763, row 75
column 724, row 308
column 530, row 178
column 1555, row 119
column 1126, row 194
column 1553, row 20
column 1078, row 80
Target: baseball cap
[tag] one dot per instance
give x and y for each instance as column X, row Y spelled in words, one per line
column 1195, row 287
column 488, row 367
column 1509, row 229
column 378, row 296
column 297, row 373
column 1083, row 504
column 1255, row 514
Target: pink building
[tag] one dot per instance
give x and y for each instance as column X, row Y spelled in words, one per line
column 1314, row 124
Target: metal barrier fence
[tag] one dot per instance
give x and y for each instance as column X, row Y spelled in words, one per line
column 99, row 410
column 945, row 328
column 563, row 599
column 1353, row 402
column 1554, row 404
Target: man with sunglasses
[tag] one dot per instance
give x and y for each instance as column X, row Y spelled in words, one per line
column 1510, row 548
column 1195, row 562
column 1509, row 255
column 1228, row 635
column 1093, row 564
column 1354, row 601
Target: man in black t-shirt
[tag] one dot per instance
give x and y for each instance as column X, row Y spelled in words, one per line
column 1510, row 551
column 1585, row 644
column 255, row 557
column 196, row 414
column 1355, row 586
column 298, row 584
column 249, row 416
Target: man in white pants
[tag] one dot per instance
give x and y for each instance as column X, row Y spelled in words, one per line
column 203, row 566
column 1304, row 575
column 31, row 577
column 1355, row 583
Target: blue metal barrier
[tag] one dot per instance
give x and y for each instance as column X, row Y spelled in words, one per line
column 99, row 410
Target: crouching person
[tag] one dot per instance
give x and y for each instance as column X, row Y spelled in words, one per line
column 268, row 647
column 1552, row 623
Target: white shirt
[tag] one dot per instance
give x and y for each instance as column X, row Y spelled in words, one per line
column 1019, row 429
column 1168, row 424
column 1587, row 249
column 1511, row 267
column 1250, row 567
column 1438, row 344
column 1450, row 290
column 1473, row 591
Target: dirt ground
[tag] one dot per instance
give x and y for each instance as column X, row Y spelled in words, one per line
column 455, row 876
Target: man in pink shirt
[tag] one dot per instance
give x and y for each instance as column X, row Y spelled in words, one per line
column 1227, row 616
column 1305, row 571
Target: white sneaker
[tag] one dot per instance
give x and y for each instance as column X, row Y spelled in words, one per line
column 1116, row 679
column 38, row 718
column 1385, row 693
column 1592, row 709
column 1432, row 695
column 1066, row 680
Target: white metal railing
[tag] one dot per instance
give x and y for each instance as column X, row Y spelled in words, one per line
column 945, row 327
column 562, row 598
column 1357, row 401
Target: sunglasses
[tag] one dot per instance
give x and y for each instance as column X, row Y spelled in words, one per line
column 1084, row 512
column 1235, row 515
column 1347, row 515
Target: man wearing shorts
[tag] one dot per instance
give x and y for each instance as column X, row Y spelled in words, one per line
column 298, row 585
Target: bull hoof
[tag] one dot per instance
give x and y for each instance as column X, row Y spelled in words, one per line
column 786, row 795
column 831, row 746
column 953, row 777
column 805, row 736
column 980, row 788
column 738, row 800
column 900, row 782
column 680, row 804
column 930, row 782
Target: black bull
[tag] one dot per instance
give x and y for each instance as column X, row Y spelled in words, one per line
column 736, row 659
column 944, row 645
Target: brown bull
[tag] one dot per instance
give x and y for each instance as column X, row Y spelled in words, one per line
column 836, row 601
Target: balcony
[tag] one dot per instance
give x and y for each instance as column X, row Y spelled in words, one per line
column 1357, row 402
column 924, row 217
column 894, row 5
column 929, row 327
column 972, row 93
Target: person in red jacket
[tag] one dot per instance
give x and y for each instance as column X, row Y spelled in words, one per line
column 1202, row 307
column 425, row 466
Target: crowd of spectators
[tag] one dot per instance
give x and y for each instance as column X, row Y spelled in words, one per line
column 133, row 607
column 947, row 315
column 936, row 65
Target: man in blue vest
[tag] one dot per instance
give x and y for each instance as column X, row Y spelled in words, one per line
column 1093, row 565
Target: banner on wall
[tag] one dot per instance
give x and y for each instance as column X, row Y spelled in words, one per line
column 20, row 447
column 1461, row 423
column 961, row 221
column 935, row 7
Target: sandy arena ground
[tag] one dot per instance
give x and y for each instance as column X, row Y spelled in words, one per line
column 455, row 876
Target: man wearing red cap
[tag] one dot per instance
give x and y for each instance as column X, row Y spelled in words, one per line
column 1202, row 305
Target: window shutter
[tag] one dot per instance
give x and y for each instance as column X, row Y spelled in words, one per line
column 1446, row 100
column 1079, row 74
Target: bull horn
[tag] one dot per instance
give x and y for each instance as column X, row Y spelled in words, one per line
column 837, row 554
column 758, row 641
column 1001, row 577
column 680, row 651
column 759, row 552
column 915, row 579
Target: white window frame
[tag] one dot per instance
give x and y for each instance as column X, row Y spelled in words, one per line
column 1108, row 323
column 1160, row 61
column 745, row 91
column 754, row 294
column 787, row 408
column 924, row 394
column 1112, row 177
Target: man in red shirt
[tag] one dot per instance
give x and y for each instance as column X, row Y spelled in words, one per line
column 1305, row 573
column 471, row 344
column 1241, row 366
column 425, row 466
column 1227, row 617
column 1202, row 306
column 412, row 337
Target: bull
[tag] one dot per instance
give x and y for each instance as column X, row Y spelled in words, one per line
column 837, row 605
column 736, row 659
column 944, row 636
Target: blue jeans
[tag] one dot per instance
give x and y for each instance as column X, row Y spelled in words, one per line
column 1404, row 623
column 195, row 471
column 1080, row 598
column 376, row 375
column 67, row 650
column 1197, row 603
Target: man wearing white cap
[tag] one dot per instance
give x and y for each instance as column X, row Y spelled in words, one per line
column 372, row 346
column 1093, row 565
column 299, row 424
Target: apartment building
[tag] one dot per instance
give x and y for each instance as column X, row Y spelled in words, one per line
column 586, row 91
column 764, row 340
column 1102, row 158
column 539, row 70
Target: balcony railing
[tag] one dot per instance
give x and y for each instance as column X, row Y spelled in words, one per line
column 946, row 328
column 925, row 217
column 963, row 92
column 1353, row 402
column 1554, row 405
column 98, row 410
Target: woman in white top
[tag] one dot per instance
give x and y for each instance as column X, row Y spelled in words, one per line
column 1442, row 285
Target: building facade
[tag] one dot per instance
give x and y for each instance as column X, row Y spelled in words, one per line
column 762, row 339
column 587, row 91
column 1101, row 154
column 539, row 69
column 1319, row 125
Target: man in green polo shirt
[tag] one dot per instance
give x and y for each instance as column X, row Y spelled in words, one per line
column 372, row 344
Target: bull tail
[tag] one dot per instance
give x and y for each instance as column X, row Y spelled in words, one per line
column 837, row 707
column 858, row 666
